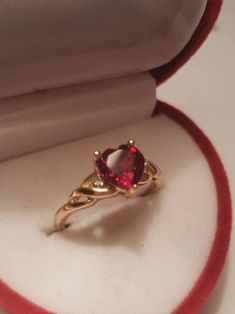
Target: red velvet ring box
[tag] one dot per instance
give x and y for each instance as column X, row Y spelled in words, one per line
column 78, row 76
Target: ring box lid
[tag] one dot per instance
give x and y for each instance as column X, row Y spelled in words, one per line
column 62, row 44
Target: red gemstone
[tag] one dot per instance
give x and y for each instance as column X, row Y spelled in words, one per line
column 122, row 167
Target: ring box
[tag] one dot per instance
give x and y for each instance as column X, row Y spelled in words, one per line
column 80, row 76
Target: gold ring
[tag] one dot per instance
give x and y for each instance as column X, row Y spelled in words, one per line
column 123, row 171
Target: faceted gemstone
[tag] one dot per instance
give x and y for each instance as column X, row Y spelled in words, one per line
column 122, row 167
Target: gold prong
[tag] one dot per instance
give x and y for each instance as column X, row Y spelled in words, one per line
column 131, row 192
column 131, row 142
column 96, row 154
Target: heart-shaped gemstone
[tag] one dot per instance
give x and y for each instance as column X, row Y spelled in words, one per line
column 122, row 167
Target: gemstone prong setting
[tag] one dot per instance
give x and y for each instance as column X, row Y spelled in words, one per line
column 131, row 142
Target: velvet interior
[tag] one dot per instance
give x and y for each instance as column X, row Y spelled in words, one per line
column 183, row 238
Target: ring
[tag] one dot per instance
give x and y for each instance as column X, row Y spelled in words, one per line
column 123, row 171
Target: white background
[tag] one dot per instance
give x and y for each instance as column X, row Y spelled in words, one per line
column 204, row 89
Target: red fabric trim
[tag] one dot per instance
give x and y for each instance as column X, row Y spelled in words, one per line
column 208, row 278
column 16, row 304
column 208, row 20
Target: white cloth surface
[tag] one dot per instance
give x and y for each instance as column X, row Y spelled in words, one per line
column 125, row 256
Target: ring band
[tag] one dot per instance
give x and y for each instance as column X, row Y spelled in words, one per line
column 123, row 171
